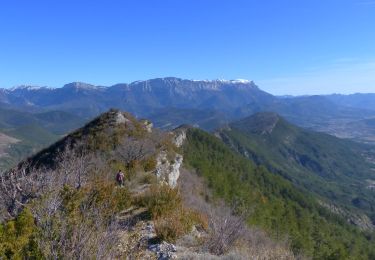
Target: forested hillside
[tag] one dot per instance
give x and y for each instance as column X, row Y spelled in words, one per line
column 275, row 203
column 336, row 170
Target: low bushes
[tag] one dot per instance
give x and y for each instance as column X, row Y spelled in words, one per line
column 161, row 200
column 172, row 220
column 66, row 223
column 17, row 237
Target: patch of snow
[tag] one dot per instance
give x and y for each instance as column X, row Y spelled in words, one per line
column 28, row 88
column 243, row 81
column 236, row 81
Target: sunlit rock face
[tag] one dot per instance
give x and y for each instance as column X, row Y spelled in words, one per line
column 168, row 171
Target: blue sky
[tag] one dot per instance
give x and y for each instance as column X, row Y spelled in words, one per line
column 286, row 47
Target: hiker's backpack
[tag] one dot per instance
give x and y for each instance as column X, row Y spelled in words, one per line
column 120, row 177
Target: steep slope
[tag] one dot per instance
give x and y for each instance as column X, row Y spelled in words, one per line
column 274, row 202
column 335, row 169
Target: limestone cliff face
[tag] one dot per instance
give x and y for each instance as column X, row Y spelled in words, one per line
column 168, row 170
column 180, row 137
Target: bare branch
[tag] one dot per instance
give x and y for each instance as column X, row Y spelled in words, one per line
column 132, row 150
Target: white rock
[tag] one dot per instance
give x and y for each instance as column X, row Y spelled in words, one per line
column 163, row 250
column 148, row 125
column 121, row 119
column 175, row 171
column 166, row 171
column 180, row 138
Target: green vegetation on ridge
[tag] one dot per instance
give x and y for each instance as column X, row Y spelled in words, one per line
column 276, row 204
column 333, row 168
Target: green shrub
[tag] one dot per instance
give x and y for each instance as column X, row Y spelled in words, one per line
column 90, row 208
column 171, row 218
column 176, row 223
column 161, row 199
column 17, row 237
column 122, row 198
column 102, row 193
column 171, row 225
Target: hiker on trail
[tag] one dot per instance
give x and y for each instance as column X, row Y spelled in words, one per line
column 120, row 177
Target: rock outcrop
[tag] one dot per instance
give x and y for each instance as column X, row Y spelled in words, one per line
column 168, row 171
column 168, row 166
column 120, row 118
column 180, row 137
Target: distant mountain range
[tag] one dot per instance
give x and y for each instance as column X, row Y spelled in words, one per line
column 169, row 102
column 358, row 100
column 140, row 97
column 201, row 101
